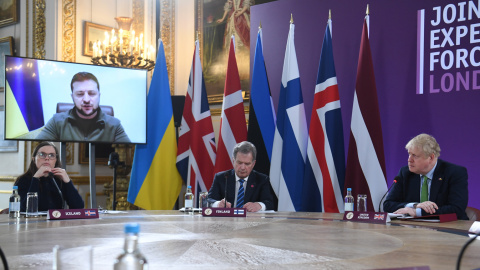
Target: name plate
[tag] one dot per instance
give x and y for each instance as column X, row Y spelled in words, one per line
column 224, row 212
column 367, row 217
column 72, row 213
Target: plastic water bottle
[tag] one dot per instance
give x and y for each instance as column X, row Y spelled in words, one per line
column 131, row 258
column 189, row 199
column 14, row 206
column 349, row 200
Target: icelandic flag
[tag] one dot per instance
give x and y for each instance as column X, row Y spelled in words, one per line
column 290, row 141
column 25, row 106
column 365, row 172
column 233, row 126
column 325, row 168
column 261, row 121
column 155, row 182
column 89, row 213
column 196, row 141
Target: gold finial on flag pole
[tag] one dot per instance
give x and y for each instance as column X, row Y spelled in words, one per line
column 260, row 25
column 368, row 10
column 329, row 14
column 291, row 18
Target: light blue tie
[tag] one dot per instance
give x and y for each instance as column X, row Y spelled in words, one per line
column 241, row 194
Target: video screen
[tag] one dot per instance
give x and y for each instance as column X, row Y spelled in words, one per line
column 70, row 102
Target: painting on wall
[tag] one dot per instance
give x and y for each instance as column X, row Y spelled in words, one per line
column 102, row 152
column 6, row 48
column 217, row 21
column 93, row 32
column 5, row 146
column 8, row 12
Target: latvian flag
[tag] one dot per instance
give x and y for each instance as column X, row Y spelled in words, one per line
column 365, row 172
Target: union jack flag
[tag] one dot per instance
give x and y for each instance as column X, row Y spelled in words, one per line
column 196, row 143
column 325, row 167
column 379, row 216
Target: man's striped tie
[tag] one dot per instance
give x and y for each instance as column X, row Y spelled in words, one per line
column 241, row 194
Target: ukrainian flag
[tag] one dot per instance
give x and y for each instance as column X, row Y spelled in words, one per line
column 155, row 182
column 23, row 97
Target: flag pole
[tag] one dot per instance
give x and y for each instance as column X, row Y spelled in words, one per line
column 329, row 22
column 367, row 18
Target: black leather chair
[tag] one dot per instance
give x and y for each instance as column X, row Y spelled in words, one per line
column 473, row 213
column 63, row 107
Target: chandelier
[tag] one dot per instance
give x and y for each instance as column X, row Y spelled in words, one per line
column 123, row 49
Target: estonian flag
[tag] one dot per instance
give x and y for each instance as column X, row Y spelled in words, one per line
column 261, row 120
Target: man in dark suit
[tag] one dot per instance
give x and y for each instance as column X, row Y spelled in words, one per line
column 246, row 188
column 428, row 185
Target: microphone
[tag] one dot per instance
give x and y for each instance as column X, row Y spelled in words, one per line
column 50, row 174
column 226, row 177
column 395, row 180
column 460, row 255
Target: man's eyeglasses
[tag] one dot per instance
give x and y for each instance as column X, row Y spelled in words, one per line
column 43, row 155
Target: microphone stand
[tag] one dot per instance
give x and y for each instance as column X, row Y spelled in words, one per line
column 226, row 178
column 114, row 161
column 459, row 259
column 395, row 180
column 58, row 189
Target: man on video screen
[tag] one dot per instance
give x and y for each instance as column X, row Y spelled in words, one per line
column 85, row 121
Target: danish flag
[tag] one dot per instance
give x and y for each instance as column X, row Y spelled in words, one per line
column 233, row 126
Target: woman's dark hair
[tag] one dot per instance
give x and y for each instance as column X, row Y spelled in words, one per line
column 32, row 168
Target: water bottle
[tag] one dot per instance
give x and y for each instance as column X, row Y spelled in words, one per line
column 14, row 206
column 131, row 258
column 189, row 199
column 349, row 200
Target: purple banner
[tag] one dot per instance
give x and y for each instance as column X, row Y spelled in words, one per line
column 448, row 106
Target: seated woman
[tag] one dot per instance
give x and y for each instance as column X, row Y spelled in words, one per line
column 45, row 168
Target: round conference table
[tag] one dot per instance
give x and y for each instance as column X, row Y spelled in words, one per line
column 281, row 240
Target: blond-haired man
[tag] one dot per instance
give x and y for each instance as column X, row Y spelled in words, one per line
column 428, row 185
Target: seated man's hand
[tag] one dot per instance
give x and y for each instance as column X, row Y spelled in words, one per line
column 428, row 206
column 252, row 207
column 407, row 210
column 222, row 204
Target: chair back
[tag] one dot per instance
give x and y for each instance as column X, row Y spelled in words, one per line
column 63, row 107
column 473, row 213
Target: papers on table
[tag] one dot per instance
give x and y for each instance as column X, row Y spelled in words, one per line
column 393, row 216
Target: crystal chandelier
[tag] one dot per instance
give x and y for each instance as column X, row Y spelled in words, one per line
column 123, row 49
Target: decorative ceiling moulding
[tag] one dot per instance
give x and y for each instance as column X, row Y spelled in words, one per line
column 39, row 24
column 167, row 34
column 69, row 14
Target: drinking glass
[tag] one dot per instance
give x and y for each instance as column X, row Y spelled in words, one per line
column 203, row 200
column 32, row 204
column 72, row 258
column 362, row 202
